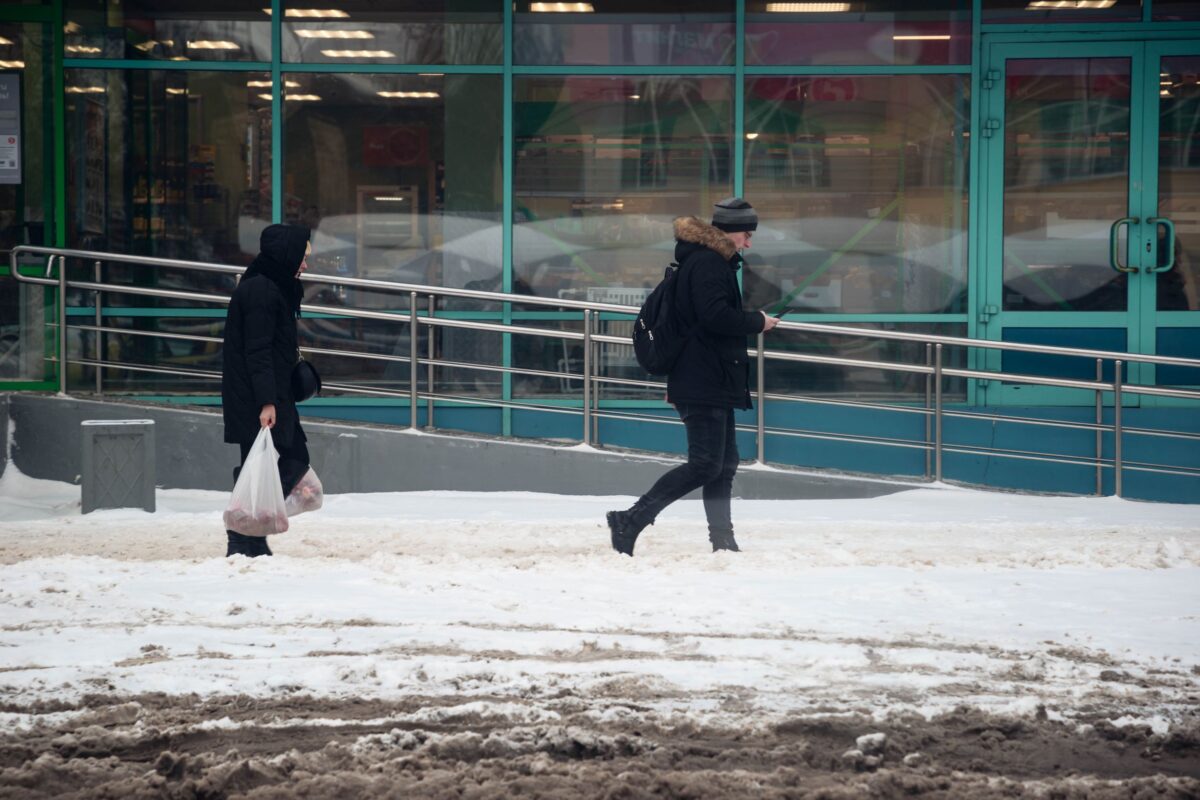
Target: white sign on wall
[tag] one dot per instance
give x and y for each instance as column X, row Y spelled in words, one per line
column 10, row 127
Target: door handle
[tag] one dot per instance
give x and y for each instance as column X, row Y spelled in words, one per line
column 1169, row 244
column 1114, row 245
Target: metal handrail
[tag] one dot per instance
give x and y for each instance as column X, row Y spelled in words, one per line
column 933, row 369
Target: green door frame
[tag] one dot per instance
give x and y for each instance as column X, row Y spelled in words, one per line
column 1140, row 318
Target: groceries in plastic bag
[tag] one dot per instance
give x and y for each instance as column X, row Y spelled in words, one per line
column 307, row 495
column 257, row 507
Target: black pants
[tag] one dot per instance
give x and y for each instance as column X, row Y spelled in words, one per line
column 712, row 462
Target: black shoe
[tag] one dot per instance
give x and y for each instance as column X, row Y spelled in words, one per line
column 624, row 529
column 249, row 546
column 724, row 541
column 260, row 547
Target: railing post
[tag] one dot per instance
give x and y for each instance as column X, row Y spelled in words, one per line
column 937, row 412
column 760, row 388
column 1099, row 430
column 62, row 324
column 587, row 376
column 429, row 368
column 98, row 274
column 1118, row 431
column 928, row 412
column 413, row 398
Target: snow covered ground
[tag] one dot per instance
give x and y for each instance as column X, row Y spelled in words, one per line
column 985, row 630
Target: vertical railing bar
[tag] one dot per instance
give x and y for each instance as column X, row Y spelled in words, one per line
column 429, row 369
column 98, row 275
column 62, row 324
column 1118, row 432
column 1099, row 432
column 937, row 412
column 413, row 365
column 587, row 376
column 928, row 410
column 761, row 403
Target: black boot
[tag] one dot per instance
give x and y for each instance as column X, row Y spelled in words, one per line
column 260, row 548
column 723, row 540
column 238, row 545
column 625, row 527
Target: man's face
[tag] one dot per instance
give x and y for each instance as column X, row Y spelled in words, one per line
column 741, row 239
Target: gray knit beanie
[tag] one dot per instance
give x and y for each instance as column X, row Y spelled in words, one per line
column 734, row 214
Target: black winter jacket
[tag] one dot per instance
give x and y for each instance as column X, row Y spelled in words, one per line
column 261, row 345
column 713, row 369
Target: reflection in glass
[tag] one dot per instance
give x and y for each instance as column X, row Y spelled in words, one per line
column 1179, row 182
column 1066, row 181
column 1175, row 10
column 603, row 165
column 859, row 32
column 650, row 32
column 864, row 383
column 861, row 187
column 183, row 172
column 366, row 31
column 23, row 49
column 997, row 11
column 175, row 30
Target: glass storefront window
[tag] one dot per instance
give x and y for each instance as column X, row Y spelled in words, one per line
column 603, row 166
column 168, row 163
column 23, row 197
column 365, row 31
column 1016, row 11
column 861, row 187
column 621, row 32
column 174, row 30
column 1175, row 10
column 859, row 32
column 1179, row 182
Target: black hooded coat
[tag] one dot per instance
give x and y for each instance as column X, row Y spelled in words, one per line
column 261, row 344
column 712, row 369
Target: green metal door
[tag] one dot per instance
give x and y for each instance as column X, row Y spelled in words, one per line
column 1063, row 135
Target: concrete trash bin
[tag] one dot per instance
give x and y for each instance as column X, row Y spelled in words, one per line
column 118, row 464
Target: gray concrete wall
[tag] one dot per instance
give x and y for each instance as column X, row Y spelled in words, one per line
column 371, row 458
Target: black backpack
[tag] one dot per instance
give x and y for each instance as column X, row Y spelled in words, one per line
column 658, row 338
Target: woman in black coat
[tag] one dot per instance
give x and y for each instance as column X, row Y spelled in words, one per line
column 261, row 349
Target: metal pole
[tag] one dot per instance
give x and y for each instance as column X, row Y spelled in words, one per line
column 1099, row 432
column 587, row 376
column 937, row 412
column 62, row 324
column 1117, row 428
column 429, row 368
column 412, row 360
column 762, row 403
column 928, row 413
column 99, row 349
column 597, row 387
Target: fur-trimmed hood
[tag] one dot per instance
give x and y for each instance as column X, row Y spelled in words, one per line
column 691, row 229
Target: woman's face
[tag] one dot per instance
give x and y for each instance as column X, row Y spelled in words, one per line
column 304, row 261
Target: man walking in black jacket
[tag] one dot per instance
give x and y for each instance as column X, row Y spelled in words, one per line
column 711, row 377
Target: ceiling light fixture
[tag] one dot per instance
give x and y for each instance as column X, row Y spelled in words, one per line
column 173, row 90
column 807, row 8
column 86, row 90
column 302, row 97
column 751, row 136
column 79, row 48
column 205, row 44
column 5, row 41
column 561, row 8
column 358, row 53
column 921, row 37
column 319, row 33
column 12, row 64
column 1068, row 5
column 391, row 199
column 410, row 95
column 312, row 13
column 267, row 84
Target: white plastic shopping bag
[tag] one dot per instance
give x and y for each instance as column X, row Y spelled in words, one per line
column 307, row 495
column 257, row 507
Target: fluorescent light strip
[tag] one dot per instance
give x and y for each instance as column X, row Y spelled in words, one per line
column 212, row 45
column 312, row 13
column 173, row 90
column 914, row 37
column 1069, row 5
column 807, row 8
column 358, row 53
column 392, row 199
column 561, row 8
column 86, row 90
column 318, row 33
column 12, row 64
column 297, row 97
column 80, row 48
column 409, row 95
column 267, row 84
column 5, row 41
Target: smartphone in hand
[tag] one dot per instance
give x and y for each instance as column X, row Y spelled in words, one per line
column 779, row 314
